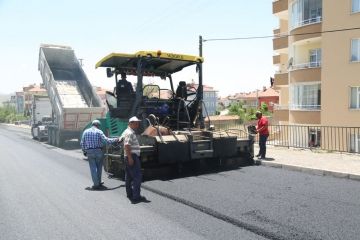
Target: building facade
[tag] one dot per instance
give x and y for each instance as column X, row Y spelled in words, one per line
column 317, row 48
column 19, row 102
column 28, row 94
column 209, row 97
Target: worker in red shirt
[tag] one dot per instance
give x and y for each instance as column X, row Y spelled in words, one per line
column 263, row 130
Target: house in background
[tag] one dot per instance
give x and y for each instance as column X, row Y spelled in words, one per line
column 19, row 98
column 209, row 98
column 254, row 99
column 29, row 93
column 101, row 92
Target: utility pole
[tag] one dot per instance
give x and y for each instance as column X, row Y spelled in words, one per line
column 200, row 88
column 81, row 61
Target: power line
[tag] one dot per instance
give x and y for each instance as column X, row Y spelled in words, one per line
column 280, row 35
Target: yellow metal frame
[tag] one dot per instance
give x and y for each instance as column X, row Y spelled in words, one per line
column 111, row 55
column 154, row 54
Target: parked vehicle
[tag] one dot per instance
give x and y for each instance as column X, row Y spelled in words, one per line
column 40, row 117
column 73, row 99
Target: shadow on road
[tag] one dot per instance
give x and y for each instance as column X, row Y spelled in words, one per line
column 268, row 159
column 71, row 145
column 104, row 188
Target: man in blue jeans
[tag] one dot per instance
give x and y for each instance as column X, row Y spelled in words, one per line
column 133, row 176
column 91, row 143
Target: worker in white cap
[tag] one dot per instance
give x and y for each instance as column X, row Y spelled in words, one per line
column 133, row 176
column 91, row 143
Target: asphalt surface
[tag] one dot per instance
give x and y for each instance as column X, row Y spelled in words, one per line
column 43, row 196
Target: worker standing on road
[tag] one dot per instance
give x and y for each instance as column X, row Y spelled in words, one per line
column 91, row 143
column 133, row 175
column 263, row 130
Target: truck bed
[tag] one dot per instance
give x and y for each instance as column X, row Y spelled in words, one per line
column 70, row 94
column 73, row 99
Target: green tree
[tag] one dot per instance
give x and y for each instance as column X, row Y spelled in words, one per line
column 8, row 115
column 237, row 109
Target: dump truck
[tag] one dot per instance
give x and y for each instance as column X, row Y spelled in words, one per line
column 172, row 131
column 73, row 99
column 40, row 117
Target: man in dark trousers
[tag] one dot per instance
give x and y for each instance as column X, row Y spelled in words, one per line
column 133, row 176
column 91, row 143
column 263, row 130
column 123, row 87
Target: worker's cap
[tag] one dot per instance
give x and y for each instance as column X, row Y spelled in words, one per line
column 134, row 119
column 258, row 113
column 96, row 123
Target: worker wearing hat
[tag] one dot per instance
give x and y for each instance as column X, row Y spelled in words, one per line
column 262, row 129
column 91, row 143
column 133, row 176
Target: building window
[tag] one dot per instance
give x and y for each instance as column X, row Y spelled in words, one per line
column 315, row 57
column 355, row 50
column 305, row 97
column 305, row 12
column 355, row 7
column 355, row 97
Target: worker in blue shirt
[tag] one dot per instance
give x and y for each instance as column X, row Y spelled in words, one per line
column 91, row 143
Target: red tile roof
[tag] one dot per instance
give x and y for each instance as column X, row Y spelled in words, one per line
column 36, row 89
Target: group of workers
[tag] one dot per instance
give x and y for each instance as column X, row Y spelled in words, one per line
column 92, row 144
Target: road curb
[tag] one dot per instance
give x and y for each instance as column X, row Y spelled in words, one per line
column 313, row 171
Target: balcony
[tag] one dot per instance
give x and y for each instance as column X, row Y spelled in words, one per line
column 276, row 59
column 312, row 26
column 305, row 73
column 279, row 6
column 281, row 79
column 280, row 43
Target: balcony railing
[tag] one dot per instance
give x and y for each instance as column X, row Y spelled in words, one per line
column 304, row 107
column 307, row 22
column 329, row 138
column 306, row 65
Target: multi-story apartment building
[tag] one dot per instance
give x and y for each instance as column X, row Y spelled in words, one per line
column 317, row 48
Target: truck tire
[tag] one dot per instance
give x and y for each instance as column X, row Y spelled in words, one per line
column 59, row 140
column 39, row 137
column 49, row 141
column 32, row 132
column 52, row 137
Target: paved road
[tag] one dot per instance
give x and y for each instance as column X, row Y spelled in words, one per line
column 43, row 196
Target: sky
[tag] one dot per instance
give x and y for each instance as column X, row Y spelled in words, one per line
column 95, row 29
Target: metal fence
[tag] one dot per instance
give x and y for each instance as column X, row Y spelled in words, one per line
column 330, row 138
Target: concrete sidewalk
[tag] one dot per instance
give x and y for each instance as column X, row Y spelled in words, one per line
column 318, row 162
